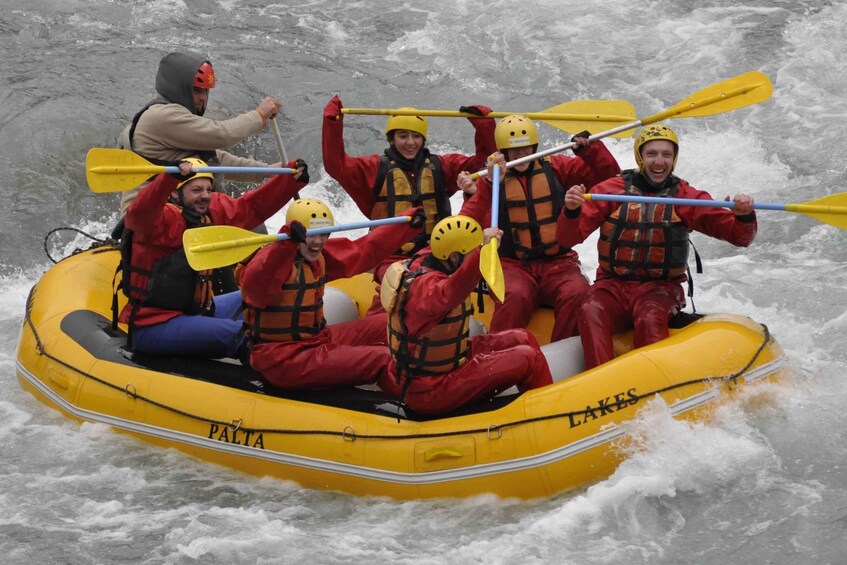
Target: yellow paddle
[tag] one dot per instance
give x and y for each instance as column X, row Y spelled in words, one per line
column 573, row 117
column 737, row 92
column 116, row 170
column 218, row 246
column 830, row 209
column 489, row 260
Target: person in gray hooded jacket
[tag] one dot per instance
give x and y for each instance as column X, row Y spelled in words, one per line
column 172, row 126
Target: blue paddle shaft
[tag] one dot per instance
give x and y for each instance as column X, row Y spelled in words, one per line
column 680, row 201
column 495, row 196
column 351, row 226
column 241, row 170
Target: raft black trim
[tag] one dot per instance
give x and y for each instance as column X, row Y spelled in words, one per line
column 107, row 344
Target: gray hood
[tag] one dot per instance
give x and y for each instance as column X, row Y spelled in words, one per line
column 175, row 79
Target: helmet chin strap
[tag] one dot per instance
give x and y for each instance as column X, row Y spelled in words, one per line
column 455, row 266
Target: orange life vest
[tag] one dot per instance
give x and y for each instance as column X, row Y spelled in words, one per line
column 529, row 222
column 644, row 242
column 442, row 349
column 296, row 313
column 395, row 194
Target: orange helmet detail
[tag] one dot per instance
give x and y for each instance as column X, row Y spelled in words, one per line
column 205, row 77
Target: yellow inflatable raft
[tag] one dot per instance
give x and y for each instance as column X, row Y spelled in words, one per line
column 358, row 440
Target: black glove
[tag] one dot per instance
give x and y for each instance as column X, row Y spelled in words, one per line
column 304, row 176
column 297, row 232
column 471, row 110
column 418, row 219
column 181, row 177
column 584, row 134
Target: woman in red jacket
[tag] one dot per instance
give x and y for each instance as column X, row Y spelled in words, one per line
column 406, row 175
column 643, row 248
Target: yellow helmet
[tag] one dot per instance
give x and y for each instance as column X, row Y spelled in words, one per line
column 652, row 133
column 515, row 131
column 310, row 212
column 460, row 234
column 197, row 163
column 412, row 123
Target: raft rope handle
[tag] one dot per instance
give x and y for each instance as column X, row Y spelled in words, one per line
column 346, row 432
column 99, row 241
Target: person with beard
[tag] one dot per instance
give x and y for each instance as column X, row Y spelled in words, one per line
column 438, row 367
column 537, row 270
column 172, row 309
column 283, row 286
column 406, row 175
column 172, row 126
column 643, row 248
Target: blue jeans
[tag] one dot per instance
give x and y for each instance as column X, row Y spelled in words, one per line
column 198, row 336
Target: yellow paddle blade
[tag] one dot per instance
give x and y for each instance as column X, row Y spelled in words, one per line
column 830, row 209
column 218, row 246
column 114, row 170
column 591, row 115
column 492, row 270
column 737, row 92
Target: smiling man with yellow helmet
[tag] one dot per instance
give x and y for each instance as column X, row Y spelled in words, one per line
column 643, row 248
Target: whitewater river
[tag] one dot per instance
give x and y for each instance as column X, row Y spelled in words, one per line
column 764, row 482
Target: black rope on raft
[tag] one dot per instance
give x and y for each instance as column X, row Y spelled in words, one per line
column 349, row 434
column 98, row 242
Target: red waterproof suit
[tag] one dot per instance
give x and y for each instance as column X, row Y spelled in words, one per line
column 494, row 362
column 555, row 281
column 358, row 175
column 615, row 303
column 346, row 354
column 157, row 228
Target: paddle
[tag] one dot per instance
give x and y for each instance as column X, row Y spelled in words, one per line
column 116, row 170
column 218, row 246
column 737, row 92
column 283, row 156
column 830, row 209
column 573, row 117
column 489, row 260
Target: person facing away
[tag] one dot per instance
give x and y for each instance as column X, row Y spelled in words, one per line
column 172, row 309
column 537, row 270
column 172, row 126
column 438, row 367
column 643, row 248
column 406, row 175
column 283, row 287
